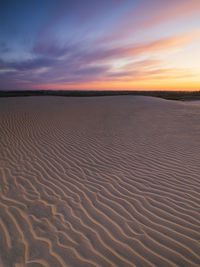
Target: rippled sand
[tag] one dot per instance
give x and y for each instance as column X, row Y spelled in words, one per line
column 106, row 181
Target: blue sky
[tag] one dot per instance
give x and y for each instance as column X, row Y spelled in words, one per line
column 107, row 44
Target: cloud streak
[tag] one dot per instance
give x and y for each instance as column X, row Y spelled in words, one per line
column 152, row 14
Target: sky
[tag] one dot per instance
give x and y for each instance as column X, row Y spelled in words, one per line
column 100, row 44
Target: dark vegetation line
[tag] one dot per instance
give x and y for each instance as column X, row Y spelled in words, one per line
column 172, row 95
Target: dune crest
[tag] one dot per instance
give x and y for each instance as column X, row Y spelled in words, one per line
column 103, row 181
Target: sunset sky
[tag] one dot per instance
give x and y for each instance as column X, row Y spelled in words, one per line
column 100, row 44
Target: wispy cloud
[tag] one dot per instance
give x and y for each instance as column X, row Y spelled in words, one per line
column 150, row 14
column 81, row 65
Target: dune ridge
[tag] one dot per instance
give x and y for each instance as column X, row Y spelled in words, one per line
column 110, row 181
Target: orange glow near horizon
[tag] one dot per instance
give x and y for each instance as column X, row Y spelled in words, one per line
column 160, row 85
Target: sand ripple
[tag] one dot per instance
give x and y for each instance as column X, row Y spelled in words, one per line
column 108, row 181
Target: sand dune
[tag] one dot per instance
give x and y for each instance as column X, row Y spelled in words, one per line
column 106, row 181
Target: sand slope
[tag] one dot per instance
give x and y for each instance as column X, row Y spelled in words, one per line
column 108, row 181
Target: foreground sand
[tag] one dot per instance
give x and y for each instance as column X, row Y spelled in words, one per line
column 107, row 181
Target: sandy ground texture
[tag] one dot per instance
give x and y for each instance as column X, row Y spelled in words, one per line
column 103, row 181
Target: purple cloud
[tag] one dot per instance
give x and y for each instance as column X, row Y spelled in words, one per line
column 51, row 49
column 30, row 64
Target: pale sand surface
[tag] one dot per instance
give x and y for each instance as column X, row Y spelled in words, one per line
column 106, row 181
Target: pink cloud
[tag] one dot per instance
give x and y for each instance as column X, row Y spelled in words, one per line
column 170, row 43
column 153, row 13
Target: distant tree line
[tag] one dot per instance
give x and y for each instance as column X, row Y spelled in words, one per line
column 173, row 95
